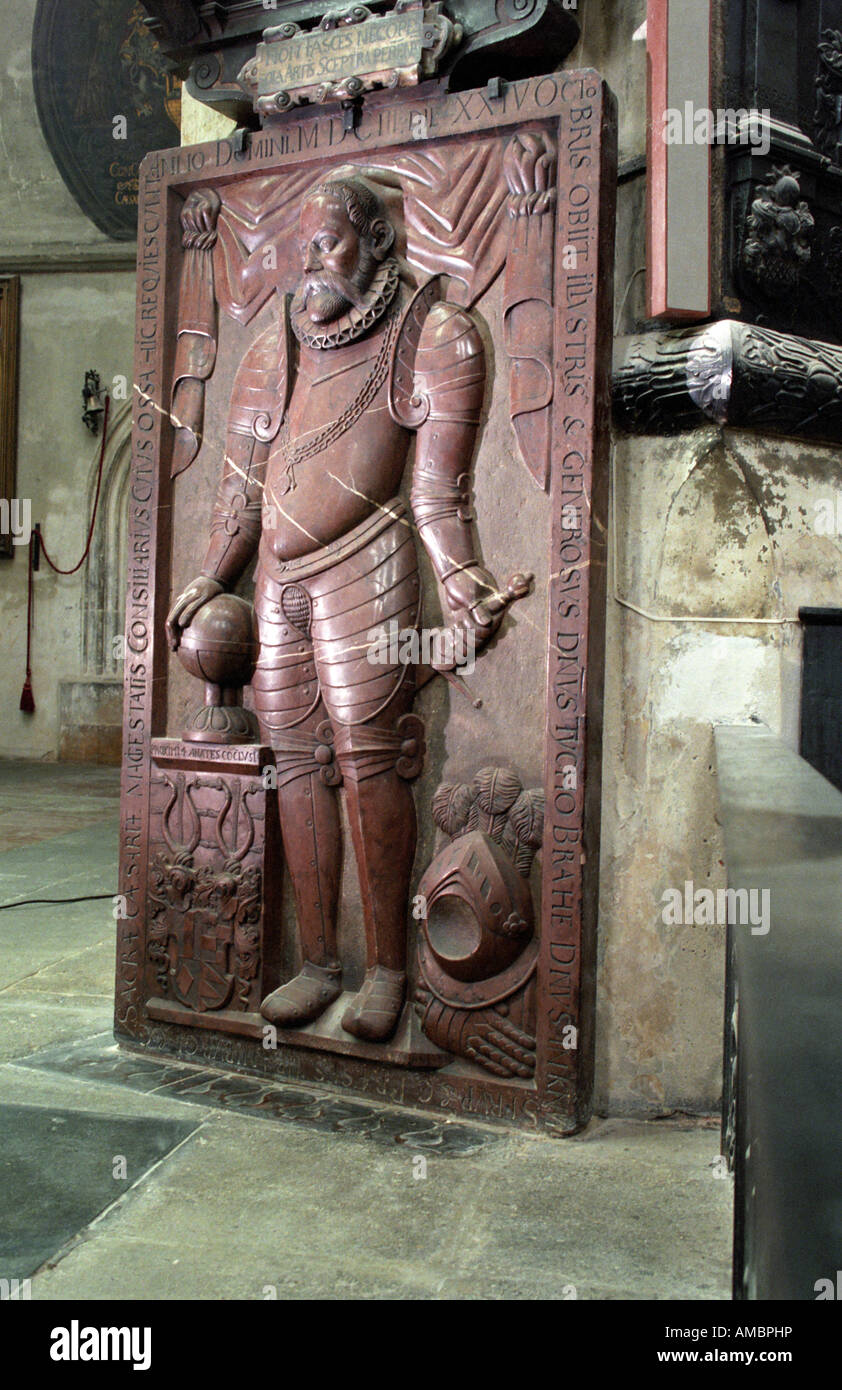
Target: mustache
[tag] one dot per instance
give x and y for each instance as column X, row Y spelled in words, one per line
column 331, row 283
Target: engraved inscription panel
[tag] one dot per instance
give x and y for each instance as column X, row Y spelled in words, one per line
column 378, row 44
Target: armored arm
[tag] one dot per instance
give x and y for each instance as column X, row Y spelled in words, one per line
column 235, row 524
column 257, row 405
column 449, row 385
column 236, row 519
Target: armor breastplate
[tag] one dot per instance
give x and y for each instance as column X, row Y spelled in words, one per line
column 339, row 405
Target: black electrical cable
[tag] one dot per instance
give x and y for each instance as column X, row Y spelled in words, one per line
column 30, row 902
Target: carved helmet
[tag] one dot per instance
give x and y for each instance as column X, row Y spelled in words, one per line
column 478, row 913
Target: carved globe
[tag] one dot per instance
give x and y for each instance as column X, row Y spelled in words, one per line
column 221, row 644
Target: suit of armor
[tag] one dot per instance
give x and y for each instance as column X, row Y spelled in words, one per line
column 319, row 431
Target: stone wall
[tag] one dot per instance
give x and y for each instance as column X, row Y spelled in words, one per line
column 77, row 311
column 714, row 548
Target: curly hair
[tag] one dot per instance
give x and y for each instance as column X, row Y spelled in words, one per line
column 363, row 206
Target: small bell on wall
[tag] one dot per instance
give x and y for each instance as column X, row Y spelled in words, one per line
column 92, row 397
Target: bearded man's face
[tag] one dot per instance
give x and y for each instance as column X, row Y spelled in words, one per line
column 338, row 265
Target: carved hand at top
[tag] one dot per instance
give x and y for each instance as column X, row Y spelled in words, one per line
column 199, row 217
column 198, row 592
column 529, row 167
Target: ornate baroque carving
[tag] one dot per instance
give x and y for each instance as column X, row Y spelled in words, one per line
column 779, row 232
column 397, row 49
column 729, row 373
column 511, row 40
column 827, row 121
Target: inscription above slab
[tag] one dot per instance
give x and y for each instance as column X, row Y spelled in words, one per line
column 393, row 41
column 347, row 55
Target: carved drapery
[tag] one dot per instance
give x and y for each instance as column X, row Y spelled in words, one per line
column 462, row 212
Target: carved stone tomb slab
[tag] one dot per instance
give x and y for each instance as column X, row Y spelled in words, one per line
column 366, row 588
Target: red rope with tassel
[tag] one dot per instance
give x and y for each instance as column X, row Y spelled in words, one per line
column 27, row 698
column 96, row 503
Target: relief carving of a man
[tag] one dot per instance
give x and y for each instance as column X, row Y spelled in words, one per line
column 319, row 431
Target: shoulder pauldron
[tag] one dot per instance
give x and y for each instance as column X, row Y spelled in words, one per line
column 438, row 368
column 262, row 385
